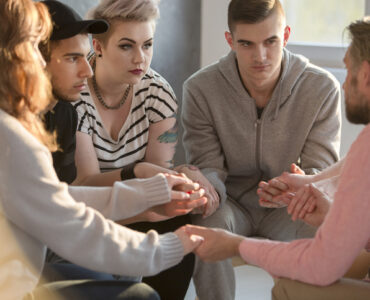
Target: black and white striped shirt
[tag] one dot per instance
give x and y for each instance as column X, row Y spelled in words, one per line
column 153, row 101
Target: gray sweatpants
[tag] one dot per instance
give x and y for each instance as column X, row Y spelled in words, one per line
column 216, row 281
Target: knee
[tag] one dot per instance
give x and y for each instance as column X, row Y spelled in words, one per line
column 280, row 289
column 141, row 291
column 222, row 218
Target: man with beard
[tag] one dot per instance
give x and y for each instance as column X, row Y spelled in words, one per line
column 66, row 57
column 344, row 223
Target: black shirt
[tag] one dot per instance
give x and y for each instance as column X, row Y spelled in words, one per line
column 63, row 119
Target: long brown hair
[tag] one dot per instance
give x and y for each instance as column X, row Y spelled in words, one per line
column 25, row 90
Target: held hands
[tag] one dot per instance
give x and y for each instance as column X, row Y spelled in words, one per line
column 309, row 204
column 213, row 200
column 188, row 241
column 275, row 193
column 185, row 196
column 217, row 244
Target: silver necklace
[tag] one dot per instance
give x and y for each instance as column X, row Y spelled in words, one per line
column 100, row 98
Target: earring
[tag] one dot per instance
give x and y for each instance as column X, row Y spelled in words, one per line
column 100, row 55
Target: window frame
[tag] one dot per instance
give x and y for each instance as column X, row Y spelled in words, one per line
column 327, row 56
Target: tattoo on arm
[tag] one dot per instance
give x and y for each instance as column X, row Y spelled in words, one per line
column 171, row 163
column 170, row 136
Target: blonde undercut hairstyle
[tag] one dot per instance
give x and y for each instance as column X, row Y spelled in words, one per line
column 124, row 10
column 359, row 32
column 25, row 90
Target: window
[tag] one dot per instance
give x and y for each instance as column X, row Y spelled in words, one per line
column 321, row 22
column 318, row 26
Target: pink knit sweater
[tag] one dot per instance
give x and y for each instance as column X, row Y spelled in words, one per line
column 344, row 233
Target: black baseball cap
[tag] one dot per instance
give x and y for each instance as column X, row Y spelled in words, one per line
column 68, row 23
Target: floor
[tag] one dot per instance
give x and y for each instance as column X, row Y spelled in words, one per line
column 251, row 283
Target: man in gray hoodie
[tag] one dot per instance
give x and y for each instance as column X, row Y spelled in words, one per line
column 247, row 118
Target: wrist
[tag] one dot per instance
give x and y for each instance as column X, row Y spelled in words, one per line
column 130, row 171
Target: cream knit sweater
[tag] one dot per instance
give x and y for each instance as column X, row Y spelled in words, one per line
column 36, row 210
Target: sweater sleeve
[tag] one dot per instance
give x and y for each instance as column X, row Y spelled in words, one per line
column 201, row 143
column 345, row 231
column 126, row 198
column 36, row 202
column 321, row 148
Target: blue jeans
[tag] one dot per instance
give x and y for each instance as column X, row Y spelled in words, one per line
column 70, row 281
column 68, row 271
column 93, row 290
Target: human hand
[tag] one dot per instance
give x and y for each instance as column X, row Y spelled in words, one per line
column 189, row 242
column 275, row 192
column 177, row 207
column 213, row 199
column 218, row 244
column 310, row 205
column 185, row 196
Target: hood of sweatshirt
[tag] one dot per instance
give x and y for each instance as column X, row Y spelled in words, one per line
column 293, row 66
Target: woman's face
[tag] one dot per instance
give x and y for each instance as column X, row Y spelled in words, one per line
column 128, row 52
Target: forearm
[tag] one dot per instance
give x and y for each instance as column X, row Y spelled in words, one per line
column 142, row 217
column 331, row 171
column 98, row 179
column 125, row 199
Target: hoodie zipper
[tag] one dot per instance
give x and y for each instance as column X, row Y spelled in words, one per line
column 257, row 126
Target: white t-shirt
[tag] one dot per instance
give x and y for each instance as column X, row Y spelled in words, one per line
column 153, row 101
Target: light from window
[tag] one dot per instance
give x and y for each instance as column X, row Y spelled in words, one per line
column 321, row 21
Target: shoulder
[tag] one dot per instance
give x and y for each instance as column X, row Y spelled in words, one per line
column 153, row 84
column 64, row 111
column 203, row 76
column 321, row 75
column 19, row 143
column 85, row 103
column 309, row 73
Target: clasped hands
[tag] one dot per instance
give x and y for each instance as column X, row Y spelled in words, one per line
column 295, row 191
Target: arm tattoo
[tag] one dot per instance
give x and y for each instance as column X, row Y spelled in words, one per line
column 170, row 136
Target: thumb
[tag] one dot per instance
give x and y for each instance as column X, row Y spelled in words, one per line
column 296, row 170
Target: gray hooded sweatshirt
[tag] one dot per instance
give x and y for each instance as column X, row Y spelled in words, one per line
column 235, row 149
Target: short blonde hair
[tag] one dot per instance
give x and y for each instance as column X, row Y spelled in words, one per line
column 124, row 10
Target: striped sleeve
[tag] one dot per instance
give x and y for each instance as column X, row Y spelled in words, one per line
column 84, row 116
column 161, row 102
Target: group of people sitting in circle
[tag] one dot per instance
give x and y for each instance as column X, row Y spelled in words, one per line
column 91, row 203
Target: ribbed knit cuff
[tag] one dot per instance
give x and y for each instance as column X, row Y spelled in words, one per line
column 156, row 189
column 172, row 250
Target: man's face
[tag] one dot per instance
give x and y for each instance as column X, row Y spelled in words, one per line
column 357, row 104
column 69, row 68
column 258, row 49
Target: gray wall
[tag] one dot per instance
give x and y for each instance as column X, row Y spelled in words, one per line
column 176, row 45
column 177, row 48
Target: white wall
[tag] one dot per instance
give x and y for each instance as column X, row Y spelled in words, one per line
column 213, row 46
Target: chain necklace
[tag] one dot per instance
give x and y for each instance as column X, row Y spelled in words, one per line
column 100, row 98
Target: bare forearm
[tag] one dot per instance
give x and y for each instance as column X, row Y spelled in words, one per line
column 332, row 171
column 99, row 179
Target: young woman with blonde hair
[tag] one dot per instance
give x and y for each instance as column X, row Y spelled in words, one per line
column 127, row 120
